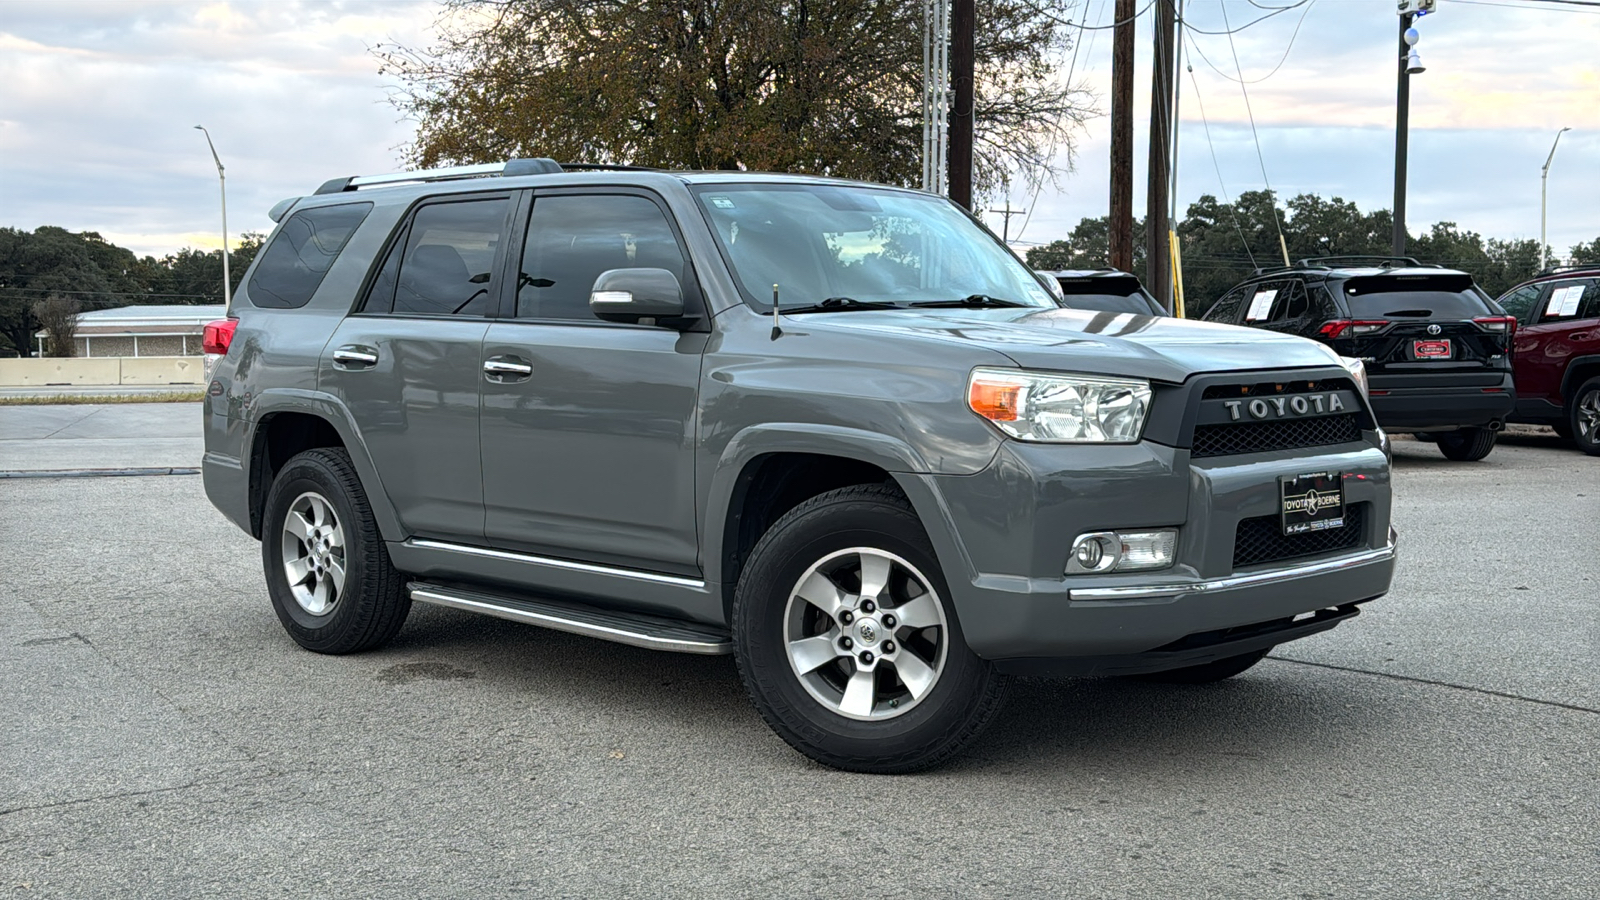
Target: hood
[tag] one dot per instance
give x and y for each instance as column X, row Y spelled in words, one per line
column 1153, row 347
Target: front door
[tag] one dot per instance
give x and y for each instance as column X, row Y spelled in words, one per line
column 588, row 426
column 408, row 367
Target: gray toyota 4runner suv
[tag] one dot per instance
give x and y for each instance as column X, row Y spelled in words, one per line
column 563, row 396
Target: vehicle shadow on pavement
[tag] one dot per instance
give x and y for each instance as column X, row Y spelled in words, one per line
column 1266, row 714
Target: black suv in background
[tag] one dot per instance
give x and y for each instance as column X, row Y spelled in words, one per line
column 1104, row 290
column 1436, row 348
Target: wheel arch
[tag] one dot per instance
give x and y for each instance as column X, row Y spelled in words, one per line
column 1579, row 370
column 291, row 422
column 768, row 470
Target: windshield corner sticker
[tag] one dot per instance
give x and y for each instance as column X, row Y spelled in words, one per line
column 720, row 201
column 1564, row 301
column 1260, row 305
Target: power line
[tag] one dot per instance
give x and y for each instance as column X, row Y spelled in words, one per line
column 1295, row 34
column 1071, row 67
column 1542, row 7
column 1231, row 211
column 1284, row 245
column 1060, row 21
column 1230, row 30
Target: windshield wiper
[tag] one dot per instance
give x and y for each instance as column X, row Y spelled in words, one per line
column 839, row 304
column 973, row 301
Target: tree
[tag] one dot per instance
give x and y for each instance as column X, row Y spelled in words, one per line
column 58, row 318
column 829, row 88
column 1087, row 247
column 1585, row 254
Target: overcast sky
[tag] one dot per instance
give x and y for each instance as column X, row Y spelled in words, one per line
column 100, row 100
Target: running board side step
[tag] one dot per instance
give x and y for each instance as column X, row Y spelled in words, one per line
column 634, row 629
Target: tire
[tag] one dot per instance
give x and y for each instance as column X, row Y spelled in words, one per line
column 1467, row 444
column 318, row 510
column 885, row 710
column 1206, row 673
column 1583, row 417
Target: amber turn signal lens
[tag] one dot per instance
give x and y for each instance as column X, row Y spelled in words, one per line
column 997, row 402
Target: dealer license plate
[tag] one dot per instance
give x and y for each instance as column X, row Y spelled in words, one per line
column 1312, row 502
column 1431, row 349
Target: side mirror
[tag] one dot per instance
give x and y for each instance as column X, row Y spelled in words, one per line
column 636, row 296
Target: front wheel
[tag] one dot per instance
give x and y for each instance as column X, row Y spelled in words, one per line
column 1584, row 418
column 847, row 643
column 1467, row 444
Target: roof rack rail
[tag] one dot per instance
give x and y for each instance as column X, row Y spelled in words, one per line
column 1567, row 267
column 605, row 167
column 1266, row 270
column 1387, row 262
column 508, row 169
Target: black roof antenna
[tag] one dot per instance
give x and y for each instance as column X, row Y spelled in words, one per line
column 776, row 328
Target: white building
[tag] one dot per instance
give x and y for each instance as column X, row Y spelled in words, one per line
column 142, row 330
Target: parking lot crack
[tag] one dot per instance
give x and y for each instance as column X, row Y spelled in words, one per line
column 1460, row 687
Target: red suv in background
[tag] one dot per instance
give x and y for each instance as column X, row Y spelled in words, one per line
column 1557, row 352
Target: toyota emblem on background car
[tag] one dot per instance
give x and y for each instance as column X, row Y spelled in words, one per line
column 1434, row 329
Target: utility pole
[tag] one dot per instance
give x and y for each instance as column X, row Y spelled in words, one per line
column 1008, row 212
column 1121, row 221
column 963, row 28
column 1157, row 251
column 1544, row 177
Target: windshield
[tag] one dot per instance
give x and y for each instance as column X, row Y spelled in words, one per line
column 1106, row 293
column 818, row 241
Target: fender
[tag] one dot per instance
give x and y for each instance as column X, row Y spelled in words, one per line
column 1569, row 380
column 332, row 410
column 908, row 468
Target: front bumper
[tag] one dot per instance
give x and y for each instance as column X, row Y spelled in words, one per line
column 1018, row 518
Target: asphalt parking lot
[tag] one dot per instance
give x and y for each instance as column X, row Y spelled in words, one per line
column 166, row 738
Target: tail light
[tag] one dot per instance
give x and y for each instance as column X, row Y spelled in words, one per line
column 1506, row 325
column 218, row 336
column 1336, row 327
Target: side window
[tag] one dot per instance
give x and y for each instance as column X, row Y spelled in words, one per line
column 572, row 239
column 301, row 253
column 1322, row 304
column 1291, row 304
column 380, row 297
column 1226, row 310
column 1263, row 299
column 1571, row 300
column 1522, row 303
column 448, row 261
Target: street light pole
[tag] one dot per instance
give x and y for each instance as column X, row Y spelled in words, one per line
column 1402, row 126
column 222, row 179
column 1544, row 176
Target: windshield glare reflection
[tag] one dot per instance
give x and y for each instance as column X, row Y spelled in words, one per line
column 870, row 245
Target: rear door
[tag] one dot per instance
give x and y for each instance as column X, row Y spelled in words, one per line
column 1423, row 329
column 1566, row 325
column 588, row 426
column 407, row 362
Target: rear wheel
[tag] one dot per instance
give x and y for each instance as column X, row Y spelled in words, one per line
column 1467, row 444
column 847, row 643
column 1205, row 673
column 328, row 573
column 1584, row 417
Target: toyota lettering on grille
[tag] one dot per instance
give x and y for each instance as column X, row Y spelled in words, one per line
column 1284, row 407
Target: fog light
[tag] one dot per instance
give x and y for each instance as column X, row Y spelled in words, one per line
column 1130, row 551
column 1147, row 550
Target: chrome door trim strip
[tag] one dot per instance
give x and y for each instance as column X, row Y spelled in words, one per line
column 567, row 564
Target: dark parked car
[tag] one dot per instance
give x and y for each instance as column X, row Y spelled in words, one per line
column 1436, row 349
column 834, row 429
column 1558, row 352
column 1104, row 290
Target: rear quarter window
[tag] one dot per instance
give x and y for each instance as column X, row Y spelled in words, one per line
column 292, row 267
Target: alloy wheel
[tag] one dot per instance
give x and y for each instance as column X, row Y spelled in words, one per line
column 314, row 554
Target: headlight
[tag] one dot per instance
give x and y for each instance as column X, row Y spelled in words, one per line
column 1034, row 406
column 1357, row 370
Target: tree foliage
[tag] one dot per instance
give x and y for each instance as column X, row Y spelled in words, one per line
column 97, row 274
column 58, row 317
column 1223, row 243
column 831, row 87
